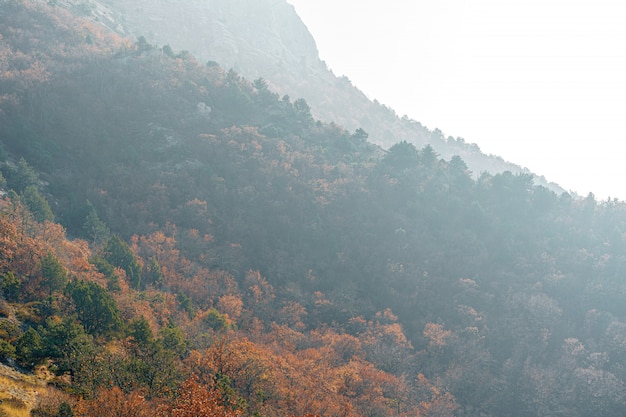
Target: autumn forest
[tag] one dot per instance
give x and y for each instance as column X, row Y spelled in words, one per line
column 177, row 240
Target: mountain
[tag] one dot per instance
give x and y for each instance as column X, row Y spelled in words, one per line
column 176, row 239
column 267, row 39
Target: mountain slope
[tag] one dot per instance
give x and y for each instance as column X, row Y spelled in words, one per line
column 288, row 264
column 267, row 39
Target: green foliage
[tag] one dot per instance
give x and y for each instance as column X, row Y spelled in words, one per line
column 20, row 177
column 54, row 274
column 229, row 393
column 186, row 304
column 103, row 266
column 142, row 45
column 95, row 307
column 152, row 365
column 118, row 253
column 65, row 410
column 10, row 285
column 141, row 332
column 37, row 204
column 428, row 156
column 167, row 50
column 95, row 229
column 29, row 348
column 216, row 321
column 401, row 156
column 7, row 350
column 9, row 330
column 360, row 135
column 303, row 113
column 67, row 343
column 525, row 287
column 108, row 270
column 173, row 339
column 153, row 274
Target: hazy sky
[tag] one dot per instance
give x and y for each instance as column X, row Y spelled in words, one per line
column 540, row 83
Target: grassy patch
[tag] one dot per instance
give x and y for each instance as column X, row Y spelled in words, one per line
column 19, row 392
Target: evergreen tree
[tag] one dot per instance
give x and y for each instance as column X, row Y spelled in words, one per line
column 118, row 253
column 20, row 177
column 65, row 410
column 54, row 274
column 94, row 228
column 37, row 204
column 10, row 285
column 95, row 307
column 30, row 348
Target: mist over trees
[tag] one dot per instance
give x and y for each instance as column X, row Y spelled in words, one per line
column 178, row 240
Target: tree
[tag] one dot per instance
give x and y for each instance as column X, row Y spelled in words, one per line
column 20, row 177
column 118, row 253
column 108, row 270
column 173, row 339
column 95, row 307
column 7, row 350
column 196, row 400
column 65, row 410
column 216, row 321
column 303, row 113
column 10, row 285
column 167, row 50
column 73, row 351
column 37, row 204
column 95, row 229
column 428, row 156
column 360, row 135
column 153, row 273
column 115, row 403
column 30, row 348
column 54, row 274
column 141, row 332
column 401, row 156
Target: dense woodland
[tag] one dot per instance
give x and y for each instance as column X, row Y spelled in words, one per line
column 176, row 240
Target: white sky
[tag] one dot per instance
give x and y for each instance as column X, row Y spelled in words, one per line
column 540, row 83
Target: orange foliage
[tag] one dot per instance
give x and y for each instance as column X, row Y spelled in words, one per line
column 114, row 403
column 436, row 334
column 24, row 242
column 292, row 314
column 259, row 294
column 180, row 275
column 230, row 305
column 434, row 403
column 197, row 400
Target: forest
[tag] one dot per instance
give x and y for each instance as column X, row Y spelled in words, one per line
column 177, row 240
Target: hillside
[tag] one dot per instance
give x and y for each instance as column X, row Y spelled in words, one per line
column 267, row 39
column 178, row 240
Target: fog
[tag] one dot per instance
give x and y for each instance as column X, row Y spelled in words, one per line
column 539, row 83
